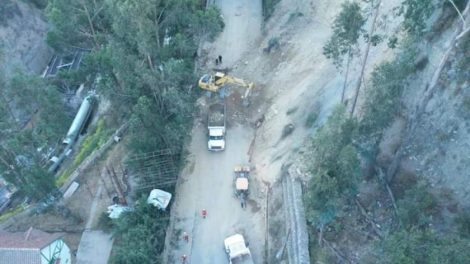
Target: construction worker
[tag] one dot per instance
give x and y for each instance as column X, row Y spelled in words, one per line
column 220, row 59
column 184, row 258
column 204, row 213
column 185, row 237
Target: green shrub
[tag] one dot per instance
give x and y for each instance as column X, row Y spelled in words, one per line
column 383, row 96
column 311, row 119
column 268, row 8
column 417, row 207
column 334, row 168
column 105, row 223
column 292, row 110
column 41, row 4
column 92, row 142
column 416, row 13
column 463, row 224
column 419, row 246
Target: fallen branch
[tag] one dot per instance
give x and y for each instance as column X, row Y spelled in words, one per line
column 390, row 193
column 368, row 219
column 337, row 253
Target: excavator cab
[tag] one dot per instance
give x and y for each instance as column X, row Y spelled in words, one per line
column 207, row 83
column 214, row 82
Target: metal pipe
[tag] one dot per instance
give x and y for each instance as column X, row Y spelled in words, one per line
column 80, row 120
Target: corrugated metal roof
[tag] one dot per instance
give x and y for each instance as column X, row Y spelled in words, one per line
column 20, row 256
column 32, row 239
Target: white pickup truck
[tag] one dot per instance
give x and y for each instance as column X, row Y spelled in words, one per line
column 237, row 251
column 216, row 127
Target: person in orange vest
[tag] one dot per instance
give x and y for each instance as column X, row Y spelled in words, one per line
column 204, row 213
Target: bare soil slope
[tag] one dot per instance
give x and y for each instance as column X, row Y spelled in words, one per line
column 22, row 42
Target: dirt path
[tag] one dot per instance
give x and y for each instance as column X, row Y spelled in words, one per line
column 243, row 19
column 207, row 180
column 207, row 183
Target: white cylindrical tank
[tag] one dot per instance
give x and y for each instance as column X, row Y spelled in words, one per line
column 79, row 120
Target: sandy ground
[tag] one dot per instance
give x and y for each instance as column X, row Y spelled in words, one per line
column 208, row 184
column 243, row 19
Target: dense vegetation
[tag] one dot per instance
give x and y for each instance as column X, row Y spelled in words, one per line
column 141, row 60
column 32, row 119
column 345, row 142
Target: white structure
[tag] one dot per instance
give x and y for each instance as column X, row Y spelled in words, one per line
column 33, row 247
column 237, row 251
column 80, row 119
column 115, row 210
column 159, row 198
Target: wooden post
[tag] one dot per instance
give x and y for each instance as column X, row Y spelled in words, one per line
column 117, row 186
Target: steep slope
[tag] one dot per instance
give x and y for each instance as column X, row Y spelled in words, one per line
column 22, row 40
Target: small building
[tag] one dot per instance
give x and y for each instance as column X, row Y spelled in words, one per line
column 33, row 247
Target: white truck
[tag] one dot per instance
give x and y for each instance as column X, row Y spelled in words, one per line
column 216, row 127
column 237, row 250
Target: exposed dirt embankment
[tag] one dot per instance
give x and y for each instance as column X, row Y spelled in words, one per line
column 295, row 82
column 22, row 33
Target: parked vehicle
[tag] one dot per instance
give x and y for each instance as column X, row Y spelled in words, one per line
column 237, row 250
column 241, row 183
column 216, row 127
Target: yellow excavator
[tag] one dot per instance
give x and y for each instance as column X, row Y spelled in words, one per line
column 219, row 79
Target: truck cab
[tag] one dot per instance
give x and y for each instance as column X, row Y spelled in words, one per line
column 216, row 140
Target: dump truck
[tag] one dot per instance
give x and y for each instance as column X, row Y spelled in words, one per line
column 216, row 127
column 237, row 250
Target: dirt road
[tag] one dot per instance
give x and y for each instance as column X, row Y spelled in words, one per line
column 208, row 184
column 207, row 180
column 243, row 19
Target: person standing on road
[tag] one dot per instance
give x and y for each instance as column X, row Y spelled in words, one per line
column 184, row 258
column 220, row 59
column 204, row 213
column 186, row 237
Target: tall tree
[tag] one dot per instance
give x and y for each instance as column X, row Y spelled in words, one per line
column 416, row 14
column 334, row 168
column 347, row 29
column 77, row 23
column 375, row 5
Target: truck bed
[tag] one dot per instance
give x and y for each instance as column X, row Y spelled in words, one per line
column 216, row 117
